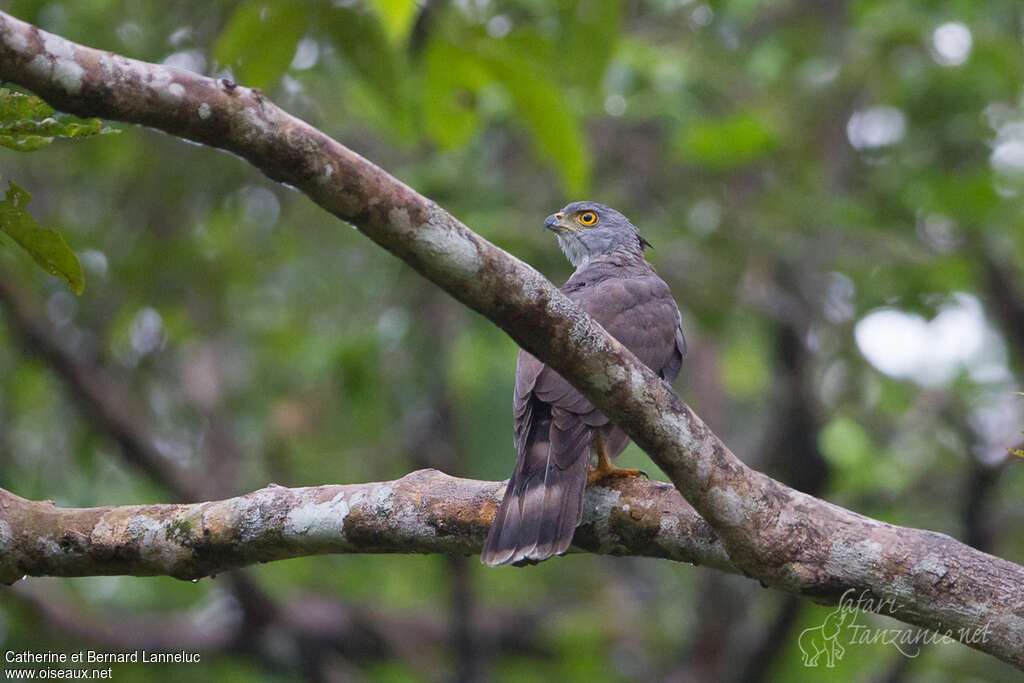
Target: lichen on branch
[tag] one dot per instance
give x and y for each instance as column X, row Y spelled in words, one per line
column 423, row 512
column 785, row 539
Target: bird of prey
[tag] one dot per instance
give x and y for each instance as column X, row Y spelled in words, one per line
column 557, row 430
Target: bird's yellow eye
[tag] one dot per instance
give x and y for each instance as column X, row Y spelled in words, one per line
column 588, row 218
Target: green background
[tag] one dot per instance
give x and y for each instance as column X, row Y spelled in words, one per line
column 798, row 166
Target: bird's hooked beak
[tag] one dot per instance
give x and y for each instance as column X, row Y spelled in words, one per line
column 559, row 223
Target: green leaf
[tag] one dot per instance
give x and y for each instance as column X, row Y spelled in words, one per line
column 456, row 75
column 360, row 37
column 728, row 142
column 589, row 34
column 259, row 40
column 27, row 123
column 454, row 79
column 47, row 247
column 396, row 16
column 554, row 126
column 746, row 369
column 845, row 444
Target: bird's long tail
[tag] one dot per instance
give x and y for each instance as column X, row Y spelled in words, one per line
column 543, row 501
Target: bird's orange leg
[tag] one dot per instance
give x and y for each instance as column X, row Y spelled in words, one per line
column 605, row 469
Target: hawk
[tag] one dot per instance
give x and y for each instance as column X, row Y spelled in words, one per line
column 557, row 430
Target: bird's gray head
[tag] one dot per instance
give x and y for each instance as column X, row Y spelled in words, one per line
column 587, row 230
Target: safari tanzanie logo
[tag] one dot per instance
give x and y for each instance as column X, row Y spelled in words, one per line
column 827, row 643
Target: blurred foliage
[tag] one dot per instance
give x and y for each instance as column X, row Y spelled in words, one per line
column 28, row 124
column 259, row 40
column 844, row 173
column 47, row 247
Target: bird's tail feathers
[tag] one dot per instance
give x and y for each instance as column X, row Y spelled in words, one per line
column 543, row 502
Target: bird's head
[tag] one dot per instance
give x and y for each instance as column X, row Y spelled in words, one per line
column 587, row 230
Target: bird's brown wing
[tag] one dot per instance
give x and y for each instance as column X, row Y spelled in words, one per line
column 638, row 311
column 543, row 502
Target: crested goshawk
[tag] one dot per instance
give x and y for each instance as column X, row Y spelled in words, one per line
column 557, row 429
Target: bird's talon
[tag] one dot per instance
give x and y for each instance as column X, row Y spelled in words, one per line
column 600, row 474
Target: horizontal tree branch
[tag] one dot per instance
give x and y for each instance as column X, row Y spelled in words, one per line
column 783, row 538
column 423, row 512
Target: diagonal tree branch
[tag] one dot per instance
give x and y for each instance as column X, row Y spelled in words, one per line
column 423, row 512
column 785, row 539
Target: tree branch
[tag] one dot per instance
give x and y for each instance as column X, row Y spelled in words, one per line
column 107, row 402
column 1006, row 300
column 785, row 539
column 423, row 512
